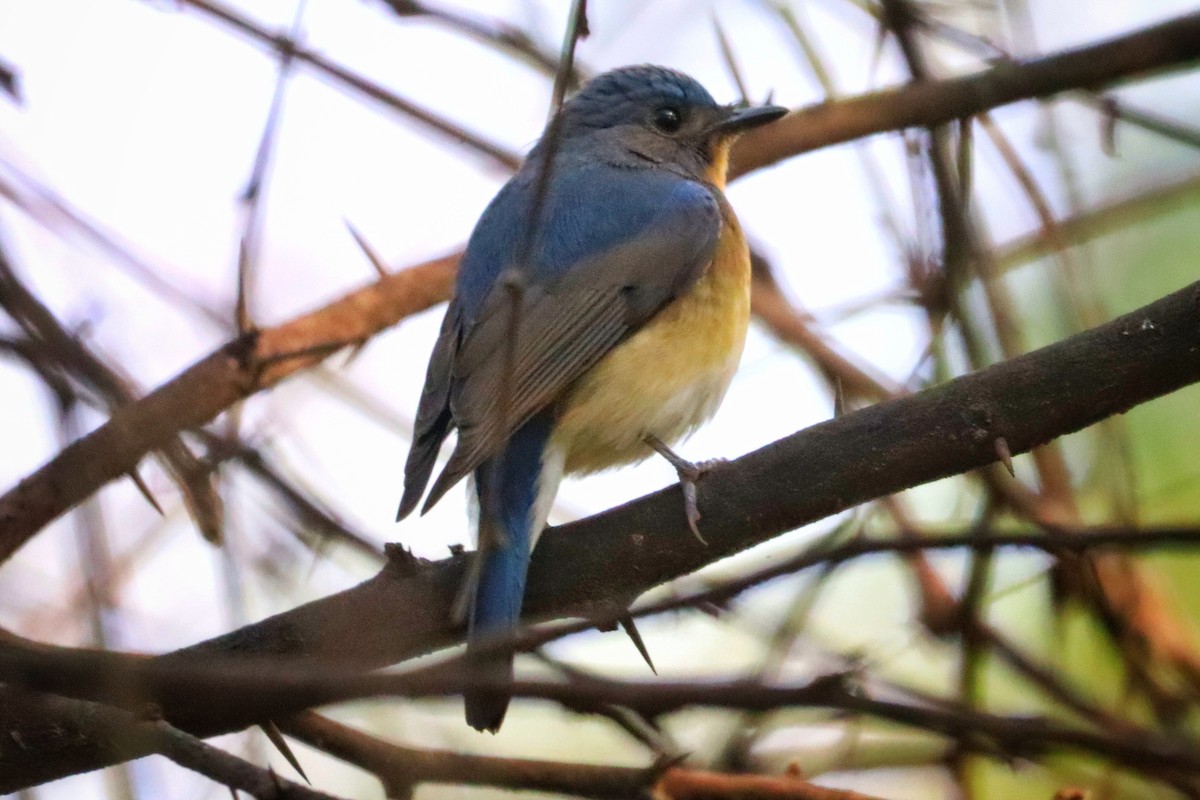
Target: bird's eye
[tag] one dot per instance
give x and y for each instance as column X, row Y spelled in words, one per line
column 668, row 119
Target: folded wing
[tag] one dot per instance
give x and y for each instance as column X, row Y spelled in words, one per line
column 614, row 250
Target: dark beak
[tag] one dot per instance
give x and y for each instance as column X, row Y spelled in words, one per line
column 743, row 119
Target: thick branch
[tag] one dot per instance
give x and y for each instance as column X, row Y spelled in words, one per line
column 584, row 569
column 229, row 375
column 590, row 566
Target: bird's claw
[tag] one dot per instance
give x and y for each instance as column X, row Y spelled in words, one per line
column 689, row 473
column 690, row 507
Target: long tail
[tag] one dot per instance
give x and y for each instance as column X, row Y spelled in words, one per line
column 508, row 487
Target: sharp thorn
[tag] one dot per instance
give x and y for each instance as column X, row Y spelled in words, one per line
column 241, row 310
column 635, row 636
column 145, row 490
column 381, row 267
column 1004, row 454
column 276, row 738
column 355, row 351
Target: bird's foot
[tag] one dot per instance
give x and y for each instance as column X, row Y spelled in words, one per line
column 689, row 472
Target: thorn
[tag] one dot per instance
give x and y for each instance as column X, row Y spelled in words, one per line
column 145, row 490
column 635, row 636
column 355, row 351
column 1004, row 454
column 241, row 308
column 372, row 255
column 1108, row 129
column 839, row 397
column 233, row 792
column 276, row 737
column 10, row 83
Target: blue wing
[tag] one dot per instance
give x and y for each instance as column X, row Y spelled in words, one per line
column 587, row 213
column 616, row 246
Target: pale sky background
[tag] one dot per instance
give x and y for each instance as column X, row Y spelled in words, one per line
column 145, row 119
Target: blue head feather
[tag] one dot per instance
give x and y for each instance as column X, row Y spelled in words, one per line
column 629, row 95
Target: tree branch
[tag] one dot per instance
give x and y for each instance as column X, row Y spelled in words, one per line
column 242, row 683
column 242, row 367
column 230, row 374
column 224, row 768
column 1167, row 45
column 401, row 768
column 583, row 569
column 356, row 84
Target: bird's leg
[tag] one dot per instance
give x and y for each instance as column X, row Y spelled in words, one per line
column 689, row 472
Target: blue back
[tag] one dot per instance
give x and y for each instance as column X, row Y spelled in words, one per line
column 587, row 211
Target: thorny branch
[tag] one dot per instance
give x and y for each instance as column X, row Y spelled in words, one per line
column 215, row 383
column 256, row 361
column 869, row 453
column 401, row 768
column 129, row 682
column 1167, row 45
column 244, row 366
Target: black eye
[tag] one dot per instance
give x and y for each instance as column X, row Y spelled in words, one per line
column 668, row 119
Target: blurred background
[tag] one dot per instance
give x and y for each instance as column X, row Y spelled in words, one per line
column 154, row 146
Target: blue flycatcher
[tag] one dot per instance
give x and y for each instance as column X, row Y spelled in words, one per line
column 599, row 315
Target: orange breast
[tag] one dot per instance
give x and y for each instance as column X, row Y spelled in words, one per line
column 669, row 377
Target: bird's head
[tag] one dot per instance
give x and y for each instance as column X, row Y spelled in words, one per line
column 656, row 115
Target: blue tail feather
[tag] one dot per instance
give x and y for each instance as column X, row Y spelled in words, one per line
column 507, row 487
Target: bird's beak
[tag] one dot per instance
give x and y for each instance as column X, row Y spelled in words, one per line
column 743, row 119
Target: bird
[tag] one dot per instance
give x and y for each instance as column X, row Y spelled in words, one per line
column 598, row 316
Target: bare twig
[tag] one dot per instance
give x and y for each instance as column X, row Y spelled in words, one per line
column 229, row 770
column 1170, row 44
column 360, row 86
column 1163, row 45
column 115, row 391
column 10, row 82
column 207, row 388
column 240, row 683
column 494, row 33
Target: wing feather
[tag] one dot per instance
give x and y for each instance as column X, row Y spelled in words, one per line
column 618, row 249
